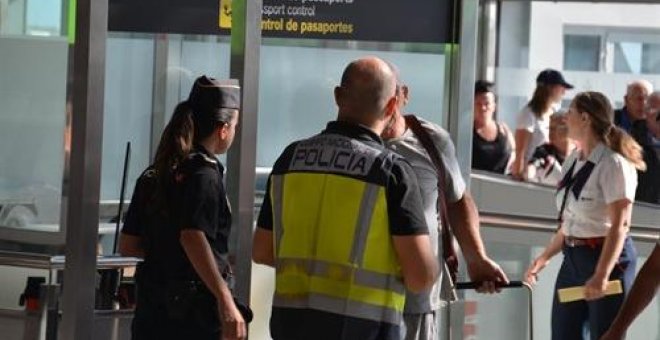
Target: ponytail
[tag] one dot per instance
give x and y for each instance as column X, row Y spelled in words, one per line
column 176, row 141
column 622, row 143
column 541, row 101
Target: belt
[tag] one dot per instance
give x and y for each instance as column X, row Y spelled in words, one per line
column 593, row 242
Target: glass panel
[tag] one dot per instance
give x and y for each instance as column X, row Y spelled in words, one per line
column 33, row 17
column 297, row 82
column 33, row 92
column 581, row 52
column 136, row 112
column 127, row 109
column 504, row 316
column 637, row 57
column 44, row 17
column 651, row 58
column 628, row 57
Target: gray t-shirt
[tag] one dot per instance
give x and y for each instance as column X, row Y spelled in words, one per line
column 410, row 148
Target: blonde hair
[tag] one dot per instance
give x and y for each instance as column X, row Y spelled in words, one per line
column 599, row 109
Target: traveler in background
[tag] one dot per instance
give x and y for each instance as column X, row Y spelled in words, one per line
column 653, row 120
column 343, row 223
column 653, row 115
column 641, row 294
column 493, row 145
column 634, row 109
column 422, row 310
column 545, row 164
column 533, row 123
column 595, row 202
column 179, row 222
column 633, row 118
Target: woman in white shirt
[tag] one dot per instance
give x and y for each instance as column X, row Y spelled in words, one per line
column 533, row 123
column 595, row 199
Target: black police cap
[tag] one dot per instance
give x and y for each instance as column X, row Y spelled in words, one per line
column 208, row 96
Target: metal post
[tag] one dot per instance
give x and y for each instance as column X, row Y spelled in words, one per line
column 460, row 114
column 83, row 204
column 487, row 40
column 241, row 160
column 461, row 96
column 167, row 84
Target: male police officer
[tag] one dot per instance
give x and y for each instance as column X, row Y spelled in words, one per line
column 342, row 222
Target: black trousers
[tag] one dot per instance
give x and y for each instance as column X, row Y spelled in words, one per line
column 154, row 318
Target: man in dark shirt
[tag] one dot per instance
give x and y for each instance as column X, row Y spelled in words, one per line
column 632, row 118
column 315, row 301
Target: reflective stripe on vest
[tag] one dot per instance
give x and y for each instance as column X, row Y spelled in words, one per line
column 333, row 247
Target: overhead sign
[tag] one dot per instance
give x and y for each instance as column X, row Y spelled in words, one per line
column 428, row 21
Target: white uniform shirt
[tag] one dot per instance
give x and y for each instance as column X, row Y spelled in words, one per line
column 613, row 178
column 538, row 127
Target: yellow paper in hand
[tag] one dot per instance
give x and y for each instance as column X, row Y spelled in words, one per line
column 577, row 293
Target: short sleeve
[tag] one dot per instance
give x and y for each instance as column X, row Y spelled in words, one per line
column 453, row 177
column 133, row 220
column 526, row 120
column 404, row 202
column 200, row 202
column 618, row 179
column 265, row 219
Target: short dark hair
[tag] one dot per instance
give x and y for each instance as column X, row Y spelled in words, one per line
column 483, row 86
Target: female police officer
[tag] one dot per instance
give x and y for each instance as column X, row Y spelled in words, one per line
column 595, row 201
column 179, row 221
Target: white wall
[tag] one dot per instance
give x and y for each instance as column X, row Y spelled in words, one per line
column 549, row 19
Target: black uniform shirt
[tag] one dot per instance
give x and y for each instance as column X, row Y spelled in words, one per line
column 193, row 197
column 203, row 203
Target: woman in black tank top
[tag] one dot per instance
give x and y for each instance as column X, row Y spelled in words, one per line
column 492, row 143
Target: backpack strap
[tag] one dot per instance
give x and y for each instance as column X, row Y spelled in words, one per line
column 448, row 250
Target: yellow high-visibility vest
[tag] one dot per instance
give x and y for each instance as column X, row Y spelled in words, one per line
column 333, row 247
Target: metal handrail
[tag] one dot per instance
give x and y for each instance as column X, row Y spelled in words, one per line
column 545, row 225
column 50, row 262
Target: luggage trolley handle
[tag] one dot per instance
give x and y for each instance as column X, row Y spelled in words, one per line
column 475, row 285
column 511, row 284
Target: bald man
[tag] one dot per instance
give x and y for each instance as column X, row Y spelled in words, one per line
column 634, row 109
column 633, row 118
column 342, row 222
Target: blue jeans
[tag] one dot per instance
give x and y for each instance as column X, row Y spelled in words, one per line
column 574, row 320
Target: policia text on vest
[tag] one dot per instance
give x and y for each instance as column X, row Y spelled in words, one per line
column 333, row 153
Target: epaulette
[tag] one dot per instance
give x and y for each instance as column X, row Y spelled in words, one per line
column 200, row 158
column 150, row 173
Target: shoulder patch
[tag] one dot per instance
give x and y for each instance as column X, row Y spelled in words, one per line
column 150, row 173
column 203, row 158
